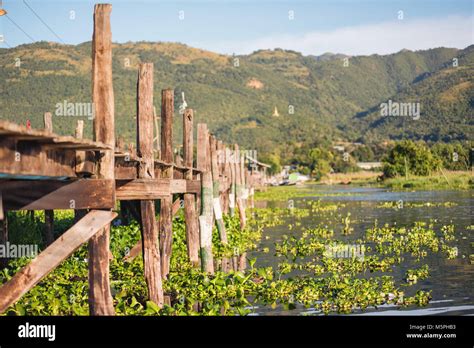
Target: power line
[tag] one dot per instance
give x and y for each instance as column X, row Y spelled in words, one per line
column 24, row 32
column 42, row 21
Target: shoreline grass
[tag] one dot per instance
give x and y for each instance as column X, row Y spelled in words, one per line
column 443, row 180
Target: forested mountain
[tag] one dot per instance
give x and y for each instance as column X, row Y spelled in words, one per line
column 270, row 100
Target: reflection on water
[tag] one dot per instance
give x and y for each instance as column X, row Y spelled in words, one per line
column 451, row 281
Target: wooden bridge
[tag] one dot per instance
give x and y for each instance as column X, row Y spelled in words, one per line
column 40, row 170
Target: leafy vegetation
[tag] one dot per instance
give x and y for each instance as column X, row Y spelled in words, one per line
column 328, row 279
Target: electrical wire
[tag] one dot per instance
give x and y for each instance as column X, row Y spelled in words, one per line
column 42, row 21
column 24, row 32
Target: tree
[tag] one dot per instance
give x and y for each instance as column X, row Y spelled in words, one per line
column 410, row 158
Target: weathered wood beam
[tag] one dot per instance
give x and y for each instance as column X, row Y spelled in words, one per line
column 140, row 189
column 100, row 298
column 52, row 256
column 56, row 194
column 22, row 159
column 52, row 194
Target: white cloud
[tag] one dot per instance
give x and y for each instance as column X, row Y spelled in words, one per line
column 381, row 38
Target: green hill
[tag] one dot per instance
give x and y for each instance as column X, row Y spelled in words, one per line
column 237, row 96
column 446, row 99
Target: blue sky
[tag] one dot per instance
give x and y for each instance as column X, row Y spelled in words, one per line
column 242, row 26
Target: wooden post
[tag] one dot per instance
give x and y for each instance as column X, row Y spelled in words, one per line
column 80, row 155
column 49, row 226
column 157, row 135
column 146, row 170
column 4, row 238
column 48, row 232
column 216, row 200
column 48, row 122
column 233, row 180
column 205, row 219
column 80, row 165
column 137, row 248
column 243, row 178
column 239, row 187
column 191, row 221
column 166, row 233
column 84, row 159
column 249, row 182
column 100, row 298
column 224, row 177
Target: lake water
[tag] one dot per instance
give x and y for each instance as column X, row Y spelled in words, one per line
column 451, row 281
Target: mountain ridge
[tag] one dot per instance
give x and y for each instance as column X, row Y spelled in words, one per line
column 315, row 99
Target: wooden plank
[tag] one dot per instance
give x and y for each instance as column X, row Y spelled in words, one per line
column 55, row 194
column 166, row 233
column 146, row 170
column 142, row 189
column 30, row 159
column 154, row 188
column 52, row 256
column 100, row 298
column 18, row 133
column 190, row 214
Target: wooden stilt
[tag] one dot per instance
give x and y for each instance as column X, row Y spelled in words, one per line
column 100, row 298
column 48, row 214
column 48, row 227
column 149, row 228
column 137, row 248
column 233, row 181
column 205, row 219
column 216, row 200
column 239, row 188
column 166, row 233
column 3, row 238
column 191, row 220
